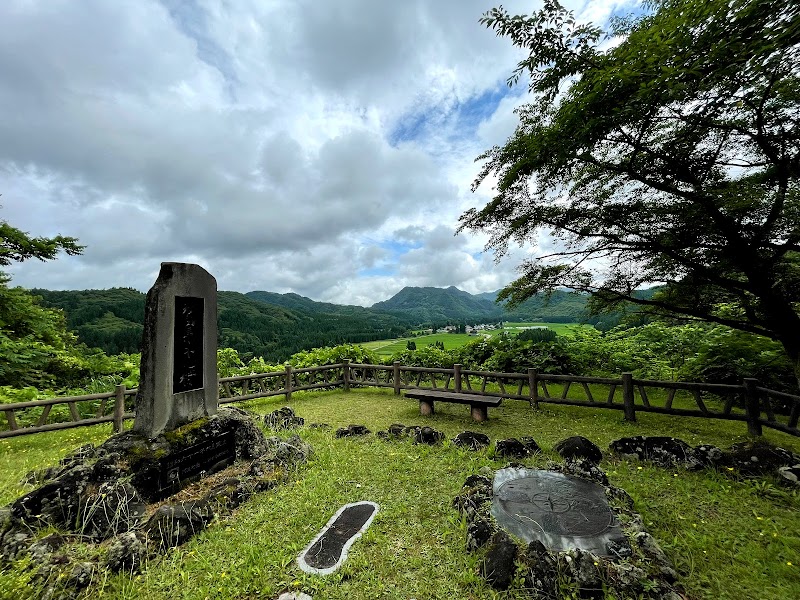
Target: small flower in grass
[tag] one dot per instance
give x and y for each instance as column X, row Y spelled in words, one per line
column 639, row 468
column 730, row 468
column 789, row 563
column 759, row 518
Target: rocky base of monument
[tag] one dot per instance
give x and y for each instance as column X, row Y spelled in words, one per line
column 131, row 498
column 624, row 560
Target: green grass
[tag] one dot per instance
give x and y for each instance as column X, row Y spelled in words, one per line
column 729, row 538
column 389, row 347
column 386, row 348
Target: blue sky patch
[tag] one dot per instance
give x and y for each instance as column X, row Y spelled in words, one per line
column 398, row 248
column 384, row 271
column 626, row 10
column 190, row 19
column 463, row 118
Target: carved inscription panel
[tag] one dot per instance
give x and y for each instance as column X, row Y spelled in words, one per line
column 197, row 460
column 561, row 511
column 187, row 371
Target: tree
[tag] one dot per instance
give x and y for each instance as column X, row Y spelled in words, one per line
column 17, row 246
column 411, row 345
column 670, row 157
column 35, row 346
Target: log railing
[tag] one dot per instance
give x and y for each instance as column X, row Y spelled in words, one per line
column 89, row 409
column 749, row 402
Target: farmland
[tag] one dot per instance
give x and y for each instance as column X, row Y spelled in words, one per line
column 385, row 348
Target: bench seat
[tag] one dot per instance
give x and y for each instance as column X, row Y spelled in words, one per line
column 478, row 403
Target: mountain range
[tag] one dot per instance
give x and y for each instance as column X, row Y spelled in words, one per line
column 432, row 304
column 274, row 326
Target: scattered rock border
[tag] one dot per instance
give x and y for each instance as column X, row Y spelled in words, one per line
column 638, row 568
column 748, row 459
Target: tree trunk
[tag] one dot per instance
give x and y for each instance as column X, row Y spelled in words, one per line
column 790, row 339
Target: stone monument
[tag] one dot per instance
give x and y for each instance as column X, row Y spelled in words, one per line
column 179, row 350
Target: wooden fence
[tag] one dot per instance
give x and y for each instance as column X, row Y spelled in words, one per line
column 749, row 402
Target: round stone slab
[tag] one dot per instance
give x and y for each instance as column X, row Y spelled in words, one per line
column 559, row 510
column 326, row 552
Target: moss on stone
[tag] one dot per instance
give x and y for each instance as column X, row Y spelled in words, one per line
column 182, row 435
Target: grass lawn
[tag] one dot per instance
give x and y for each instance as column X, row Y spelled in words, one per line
column 389, row 347
column 386, row 348
column 728, row 538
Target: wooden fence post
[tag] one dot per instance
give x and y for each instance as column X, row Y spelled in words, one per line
column 396, row 377
column 533, row 386
column 627, row 397
column 457, row 378
column 119, row 407
column 288, row 382
column 752, row 406
column 346, row 374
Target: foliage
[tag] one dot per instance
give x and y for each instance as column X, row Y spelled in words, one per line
column 537, row 334
column 727, row 356
column 330, row 356
column 18, row 246
column 688, row 352
column 430, row 356
column 36, row 349
column 112, row 320
column 229, row 364
column 673, row 155
column 510, row 354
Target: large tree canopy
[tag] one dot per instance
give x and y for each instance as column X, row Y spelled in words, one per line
column 666, row 150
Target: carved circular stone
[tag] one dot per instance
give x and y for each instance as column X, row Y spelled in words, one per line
column 559, row 510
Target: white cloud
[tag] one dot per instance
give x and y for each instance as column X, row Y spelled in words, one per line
column 260, row 139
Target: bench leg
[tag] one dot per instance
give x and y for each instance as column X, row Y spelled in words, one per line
column 426, row 407
column 479, row 413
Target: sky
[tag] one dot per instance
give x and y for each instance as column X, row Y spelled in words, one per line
column 321, row 147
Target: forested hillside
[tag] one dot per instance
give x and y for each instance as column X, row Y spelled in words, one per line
column 112, row 320
column 560, row 307
column 274, row 332
column 440, row 305
column 275, row 325
column 107, row 319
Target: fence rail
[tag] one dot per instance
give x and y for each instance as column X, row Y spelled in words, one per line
column 89, row 409
column 757, row 406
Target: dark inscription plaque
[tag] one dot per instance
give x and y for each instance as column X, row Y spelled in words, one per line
column 195, row 461
column 559, row 510
column 187, row 367
column 327, row 550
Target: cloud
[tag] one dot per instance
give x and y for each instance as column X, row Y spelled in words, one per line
column 324, row 148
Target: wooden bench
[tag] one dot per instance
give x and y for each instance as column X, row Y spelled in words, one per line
column 478, row 403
